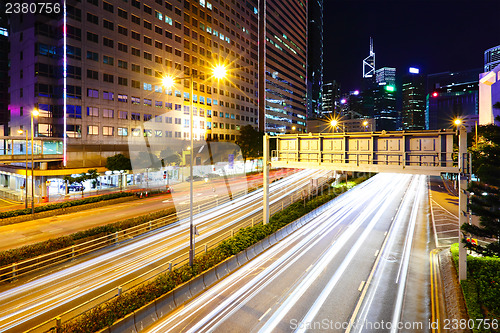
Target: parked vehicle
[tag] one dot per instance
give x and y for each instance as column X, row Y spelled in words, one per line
column 195, row 178
column 76, row 187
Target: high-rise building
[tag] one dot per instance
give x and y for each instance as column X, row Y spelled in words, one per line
column 4, row 75
column 119, row 52
column 283, row 65
column 384, row 99
column 414, row 92
column 451, row 95
column 314, row 58
column 386, row 76
column 491, row 58
column 489, row 88
column 369, row 63
column 384, row 108
column 330, row 98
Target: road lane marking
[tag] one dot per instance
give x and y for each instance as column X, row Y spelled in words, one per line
column 361, row 285
column 375, row 265
column 265, row 313
column 434, row 272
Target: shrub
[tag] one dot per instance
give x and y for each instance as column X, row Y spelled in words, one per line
column 59, row 205
column 105, row 315
column 482, row 287
column 30, row 251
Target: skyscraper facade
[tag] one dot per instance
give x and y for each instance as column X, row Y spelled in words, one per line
column 414, row 105
column 386, row 76
column 384, row 95
column 117, row 55
column 4, row 75
column 330, row 98
column 451, row 95
column 314, row 58
column 491, row 58
column 283, row 65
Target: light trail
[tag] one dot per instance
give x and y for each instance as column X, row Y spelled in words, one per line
column 41, row 295
column 373, row 289
column 374, row 195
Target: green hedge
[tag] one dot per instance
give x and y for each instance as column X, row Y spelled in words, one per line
column 59, row 205
column 106, row 314
column 30, row 251
column 482, row 287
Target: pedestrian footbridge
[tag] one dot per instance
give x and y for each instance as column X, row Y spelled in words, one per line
column 422, row 152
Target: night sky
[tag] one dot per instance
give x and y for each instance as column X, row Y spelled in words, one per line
column 433, row 35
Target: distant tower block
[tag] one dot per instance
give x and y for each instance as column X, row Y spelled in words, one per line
column 369, row 62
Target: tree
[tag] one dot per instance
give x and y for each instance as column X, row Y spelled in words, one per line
column 250, row 142
column 485, row 194
column 485, row 202
column 118, row 162
column 147, row 160
column 173, row 159
column 486, row 154
column 90, row 174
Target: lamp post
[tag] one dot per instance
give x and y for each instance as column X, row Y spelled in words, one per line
column 34, row 113
column 219, row 72
column 463, row 177
column 26, row 169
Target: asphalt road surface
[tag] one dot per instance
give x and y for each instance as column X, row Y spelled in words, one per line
column 359, row 265
column 31, row 301
column 19, row 234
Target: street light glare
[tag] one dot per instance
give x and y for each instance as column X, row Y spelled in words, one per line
column 334, row 123
column 219, row 72
column 365, row 123
column 457, row 122
column 35, row 113
column 20, row 131
column 168, row 81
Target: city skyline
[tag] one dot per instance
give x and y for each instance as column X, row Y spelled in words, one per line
column 445, row 35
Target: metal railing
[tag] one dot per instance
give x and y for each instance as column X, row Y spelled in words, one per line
column 180, row 260
column 19, row 269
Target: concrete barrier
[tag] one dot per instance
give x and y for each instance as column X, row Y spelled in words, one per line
column 210, row 277
column 265, row 243
column 196, row 285
column 280, row 234
column 272, row 239
column 250, row 252
column 232, row 264
column 242, row 257
column 125, row 325
column 221, row 269
column 182, row 294
column 164, row 305
column 145, row 317
column 258, row 247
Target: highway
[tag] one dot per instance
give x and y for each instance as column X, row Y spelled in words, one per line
column 355, row 267
column 30, row 301
column 29, row 232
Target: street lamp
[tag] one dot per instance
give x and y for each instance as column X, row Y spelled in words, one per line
column 365, row 124
column 20, row 132
column 34, row 113
column 219, row 72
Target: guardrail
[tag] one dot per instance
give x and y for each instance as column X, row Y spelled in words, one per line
column 251, row 219
column 16, row 270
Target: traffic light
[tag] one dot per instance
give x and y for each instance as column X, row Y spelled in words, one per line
column 164, row 175
column 435, row 94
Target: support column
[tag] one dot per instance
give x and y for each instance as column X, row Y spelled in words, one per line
column 265, row 213
column 462, row 201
